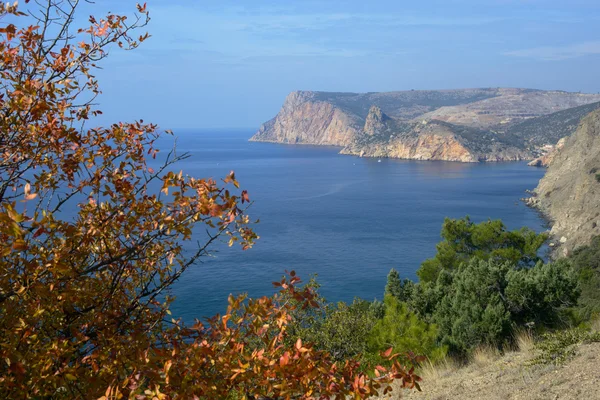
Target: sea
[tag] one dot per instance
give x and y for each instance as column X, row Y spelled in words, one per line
column 343, row 219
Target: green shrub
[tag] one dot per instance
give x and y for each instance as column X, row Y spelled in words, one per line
column 341, row 329
column 586, row 263
column 364, row 329
column 464, row 240
column 405, row 332
column 485, row 300
column 558, row 347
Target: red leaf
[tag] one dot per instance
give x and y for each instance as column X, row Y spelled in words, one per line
column 245, row 197
column 387, row 353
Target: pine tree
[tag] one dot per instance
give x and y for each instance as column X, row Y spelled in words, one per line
column 394, row 284
column 401, row 289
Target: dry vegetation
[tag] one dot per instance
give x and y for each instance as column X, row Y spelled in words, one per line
column 492, row 376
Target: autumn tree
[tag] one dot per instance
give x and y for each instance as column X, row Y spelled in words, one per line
column 91, row 240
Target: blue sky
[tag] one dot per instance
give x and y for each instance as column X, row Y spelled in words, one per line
column 231, row 63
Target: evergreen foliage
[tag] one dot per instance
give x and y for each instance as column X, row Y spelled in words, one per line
column 586, row 263
column 401, row 289
column 485, row 281
column 363, row 330
column 405, row 332
column 483, row 302
column 464, row 240
column 558, row 347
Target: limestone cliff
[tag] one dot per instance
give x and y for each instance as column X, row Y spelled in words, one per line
column 303, row 119
column 569, row 193
column 384, row 136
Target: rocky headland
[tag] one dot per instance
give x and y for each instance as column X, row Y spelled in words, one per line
column 383, row 136
column 468, row 125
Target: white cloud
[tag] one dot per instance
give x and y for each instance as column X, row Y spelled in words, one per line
column 557, row 53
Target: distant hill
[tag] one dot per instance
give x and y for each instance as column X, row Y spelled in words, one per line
column 549, row 129
column 459, row 125
column 405, row 104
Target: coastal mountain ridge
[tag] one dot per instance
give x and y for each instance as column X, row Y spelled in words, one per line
column 467, row 125
column 569, row 193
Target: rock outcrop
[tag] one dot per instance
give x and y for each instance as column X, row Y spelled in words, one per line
column 466, row 125
column 384, row 136
column 569, row 193
column 303, row 119
column 551, row 152
column 376, row 121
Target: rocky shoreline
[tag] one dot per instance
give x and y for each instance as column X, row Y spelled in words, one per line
column 569, row 193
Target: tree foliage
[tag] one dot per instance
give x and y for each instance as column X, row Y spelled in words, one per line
column 340, row 329
column 485, row 300
column 463, row 240
column 405, row 332
column 586, row 263
column 484, row 282
column 401, row 289
column 89, row 250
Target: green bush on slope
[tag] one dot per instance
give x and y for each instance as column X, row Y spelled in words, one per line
column 484, row 282
column 464, row 240
column 364, row 329
column 484, row 301
column 585, row 261
column 488, row 283
column 404, row 332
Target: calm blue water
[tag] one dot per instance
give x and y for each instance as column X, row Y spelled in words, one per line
column 347, row 219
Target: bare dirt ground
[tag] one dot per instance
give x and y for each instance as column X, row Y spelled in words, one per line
column 509, row 377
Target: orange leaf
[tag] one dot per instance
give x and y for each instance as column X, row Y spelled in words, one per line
column 387, row 353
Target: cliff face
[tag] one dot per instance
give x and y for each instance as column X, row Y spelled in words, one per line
column 435, row 140
column 429, row 146
column 546, row 159
column 569, row 193
column 303, row 119
column 460, row 125
column 376, row 121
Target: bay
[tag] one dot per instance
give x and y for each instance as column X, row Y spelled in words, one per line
column 348, row 220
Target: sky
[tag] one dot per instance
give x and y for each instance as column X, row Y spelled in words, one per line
column 226, row 64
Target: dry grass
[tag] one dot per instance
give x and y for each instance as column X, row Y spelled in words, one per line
column 435, row 372
column 511, row 377
column 524, row 341
column 595, row 325
column 485, row 355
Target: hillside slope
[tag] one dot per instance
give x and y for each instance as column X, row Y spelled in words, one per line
column 549, row 129
column 569, row 193
column 510, row 106
column 509, row 377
